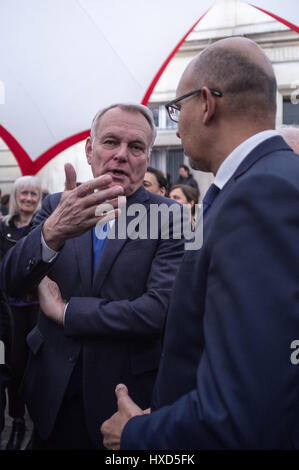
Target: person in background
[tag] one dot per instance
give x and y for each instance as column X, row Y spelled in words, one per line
column 186, row 195
column 155, row 181
column 291, row 136
column 45, row 192
column 25, row 200
column 3, row 208
column 186, row 177
column 5, row 202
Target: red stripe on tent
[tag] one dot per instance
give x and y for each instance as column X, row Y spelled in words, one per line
column 29, row 167
column 163, row 67
column 21, row 156
column 45, row 157
column 278, row 18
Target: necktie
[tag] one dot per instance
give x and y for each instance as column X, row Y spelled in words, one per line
column 98, row 244
column 209, row 197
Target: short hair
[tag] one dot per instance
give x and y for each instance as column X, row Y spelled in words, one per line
column 131, row 108
column 162, row 181
column 21, row 183
column 229, row 71
column 190, row 193
column 185, row 168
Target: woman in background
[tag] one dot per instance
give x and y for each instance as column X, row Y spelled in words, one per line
column 186, row 195
column 25, row 200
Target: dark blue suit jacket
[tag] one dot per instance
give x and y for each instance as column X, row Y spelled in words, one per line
column 226, row 380
column 114, row 320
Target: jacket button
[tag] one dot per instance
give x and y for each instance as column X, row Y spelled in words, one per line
column 31, row 263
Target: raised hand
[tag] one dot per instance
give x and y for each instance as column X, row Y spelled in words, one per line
column 80, row 208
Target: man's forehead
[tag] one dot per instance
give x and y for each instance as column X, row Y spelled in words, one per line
column 119, row 120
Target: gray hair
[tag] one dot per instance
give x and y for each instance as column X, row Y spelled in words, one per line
column 23, row 182
column 131, row 108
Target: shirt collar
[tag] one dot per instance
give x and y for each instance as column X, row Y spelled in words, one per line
column 235, row 158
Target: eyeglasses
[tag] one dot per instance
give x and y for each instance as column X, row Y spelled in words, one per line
column 174, row 110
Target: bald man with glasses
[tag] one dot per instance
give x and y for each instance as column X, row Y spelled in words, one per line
column 227, row 378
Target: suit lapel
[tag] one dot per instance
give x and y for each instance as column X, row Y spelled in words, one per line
column 112, row 247
column 273, row 144
column 83, row 248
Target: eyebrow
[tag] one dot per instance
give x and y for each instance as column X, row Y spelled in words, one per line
column 117, row 137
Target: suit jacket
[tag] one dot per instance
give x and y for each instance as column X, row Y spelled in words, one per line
column 226, row 380
column 114, row 320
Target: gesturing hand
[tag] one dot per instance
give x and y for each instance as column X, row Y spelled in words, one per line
column 75, row 213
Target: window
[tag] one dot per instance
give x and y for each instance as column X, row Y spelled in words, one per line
column 161, row 118
column 174, row 158
column 290, row 111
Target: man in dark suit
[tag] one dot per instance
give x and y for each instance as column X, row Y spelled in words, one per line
column 104, row 300
column 6, row 331
column 227, row 378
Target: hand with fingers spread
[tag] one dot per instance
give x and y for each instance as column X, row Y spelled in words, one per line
column 80, row 208
column 113, row 427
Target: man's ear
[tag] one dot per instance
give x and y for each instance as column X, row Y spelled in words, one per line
column 88, row 149
column 209, row 106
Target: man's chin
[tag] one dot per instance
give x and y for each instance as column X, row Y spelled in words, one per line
column 198, row 165
column 194, row 164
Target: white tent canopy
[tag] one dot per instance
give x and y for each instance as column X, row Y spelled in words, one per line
column 62, row 60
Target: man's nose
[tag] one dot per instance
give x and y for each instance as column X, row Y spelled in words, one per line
column 121, row 152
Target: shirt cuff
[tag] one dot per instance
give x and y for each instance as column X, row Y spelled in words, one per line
column 65, row 312
column 48, row 254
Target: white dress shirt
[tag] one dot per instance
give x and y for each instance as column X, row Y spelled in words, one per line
column 235, row 158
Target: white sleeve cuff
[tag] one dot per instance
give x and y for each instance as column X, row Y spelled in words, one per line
column 48, row 254
column 65, row 311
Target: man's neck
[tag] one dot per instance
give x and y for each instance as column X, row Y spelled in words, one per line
column 232, row 138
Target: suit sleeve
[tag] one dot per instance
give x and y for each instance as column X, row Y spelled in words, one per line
column 246, row 394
